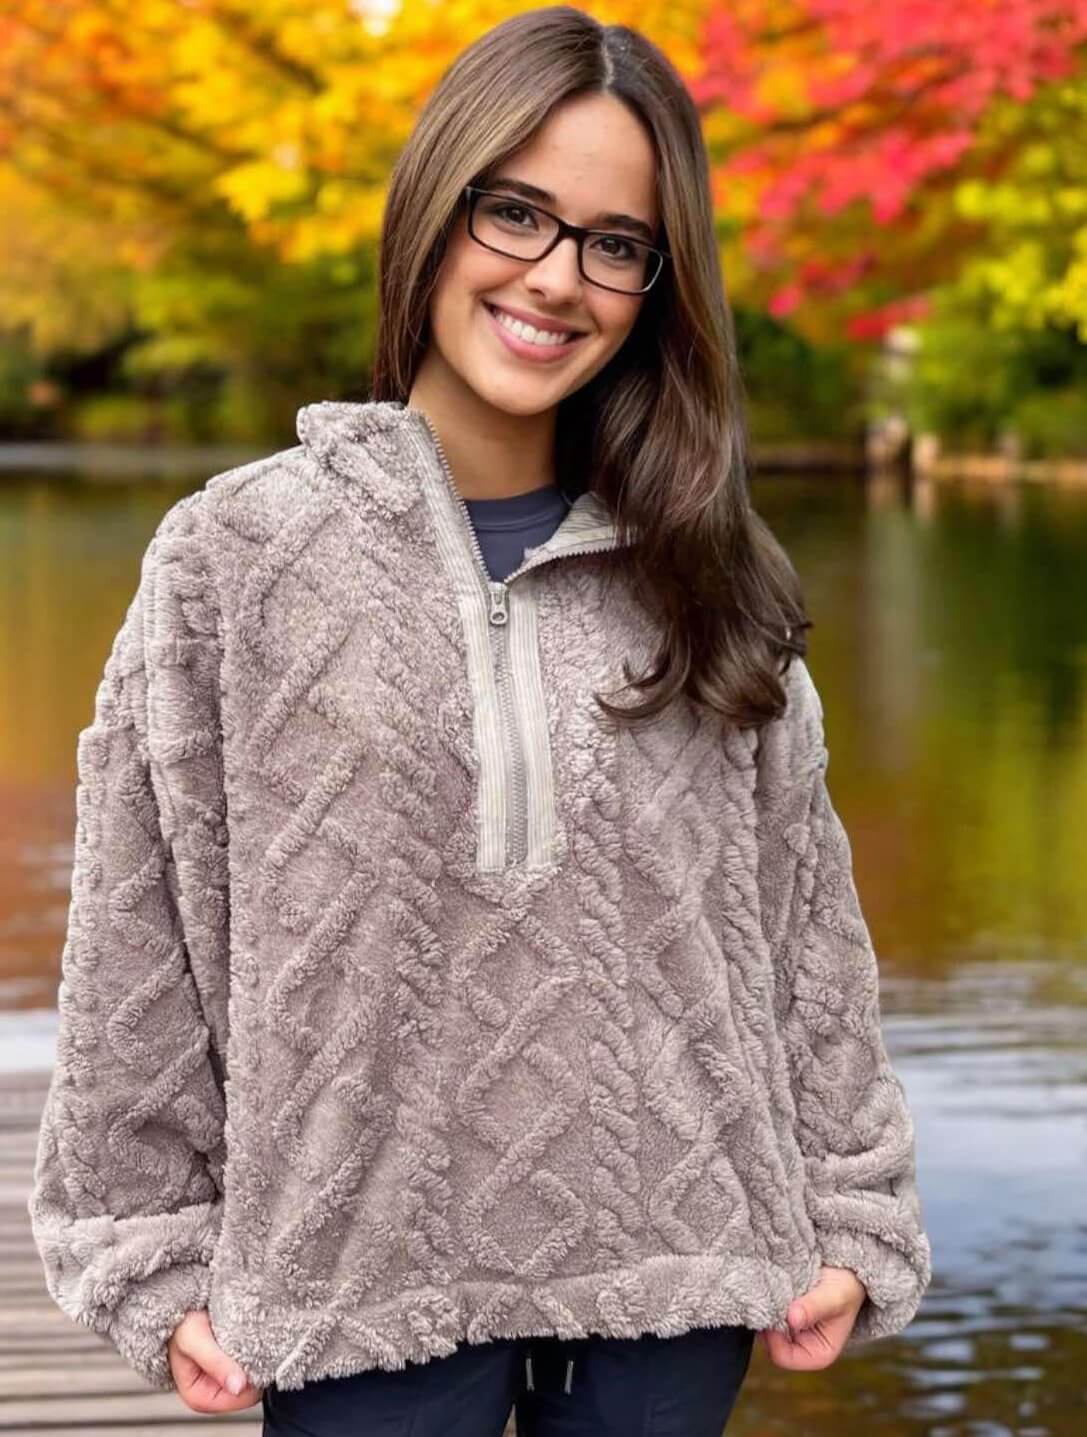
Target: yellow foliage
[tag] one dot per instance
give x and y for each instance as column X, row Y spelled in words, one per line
column 254, row 189
column 290, row 113
column 64, row 279
column 131, row 128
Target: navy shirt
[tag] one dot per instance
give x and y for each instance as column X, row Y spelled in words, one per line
column 506, row 527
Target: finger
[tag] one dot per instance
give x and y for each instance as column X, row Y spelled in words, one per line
column 204, row 1394
column 199, row 1343
column 800, row 1356
column 818, row 1305
column 831, row 1296
column 209, row 1372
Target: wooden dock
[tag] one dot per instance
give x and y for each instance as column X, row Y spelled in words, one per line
column 57, row 1377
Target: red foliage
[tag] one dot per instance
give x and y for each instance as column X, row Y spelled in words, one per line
column 846, row 103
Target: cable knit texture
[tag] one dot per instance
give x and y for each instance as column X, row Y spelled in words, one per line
column 319, row 1073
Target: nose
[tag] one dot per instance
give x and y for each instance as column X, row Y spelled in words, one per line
column 557, row 274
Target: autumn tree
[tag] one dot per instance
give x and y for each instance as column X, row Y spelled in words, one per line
column 216, row 171
column 864, row 153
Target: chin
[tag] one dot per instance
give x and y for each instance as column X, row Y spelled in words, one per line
column 523, row 399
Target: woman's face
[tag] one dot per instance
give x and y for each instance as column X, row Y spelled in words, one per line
column 592, row 156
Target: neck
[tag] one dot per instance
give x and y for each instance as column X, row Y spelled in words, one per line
column 493, row 455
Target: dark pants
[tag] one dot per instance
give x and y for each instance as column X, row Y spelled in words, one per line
column 594, row 1386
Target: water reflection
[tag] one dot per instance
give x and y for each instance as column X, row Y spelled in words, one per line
column 70, row 557
column 950, row 650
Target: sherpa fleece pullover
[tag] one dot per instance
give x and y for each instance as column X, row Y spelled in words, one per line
column 403, row 1003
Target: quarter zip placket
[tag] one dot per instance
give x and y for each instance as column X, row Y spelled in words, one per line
column 498, row 597
column 516, row 823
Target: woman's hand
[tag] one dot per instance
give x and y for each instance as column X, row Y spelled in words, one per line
column 819, row 1322
column 207, row 1379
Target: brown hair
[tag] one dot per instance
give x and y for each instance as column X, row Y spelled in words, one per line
column 660, row 432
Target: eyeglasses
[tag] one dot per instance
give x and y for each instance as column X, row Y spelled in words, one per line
column 518, row 230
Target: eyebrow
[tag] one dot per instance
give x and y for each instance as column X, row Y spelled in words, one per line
column 533, row 192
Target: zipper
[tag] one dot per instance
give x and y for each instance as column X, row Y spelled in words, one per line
column 497, row 594
column 517, row 816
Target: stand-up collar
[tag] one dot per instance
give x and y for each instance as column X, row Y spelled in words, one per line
column 367, row 443
column 376, row 444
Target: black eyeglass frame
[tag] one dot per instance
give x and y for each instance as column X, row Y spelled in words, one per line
column 579, row 232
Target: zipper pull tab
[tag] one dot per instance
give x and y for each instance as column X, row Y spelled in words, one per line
column 499, row 611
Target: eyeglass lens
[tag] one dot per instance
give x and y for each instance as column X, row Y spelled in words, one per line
column 524, row 232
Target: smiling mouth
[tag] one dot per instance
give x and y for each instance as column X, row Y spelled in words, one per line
column 569, row 335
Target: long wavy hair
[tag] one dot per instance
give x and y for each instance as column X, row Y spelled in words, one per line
column 660, row 433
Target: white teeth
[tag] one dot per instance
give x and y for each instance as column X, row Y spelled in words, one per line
column 526, row 331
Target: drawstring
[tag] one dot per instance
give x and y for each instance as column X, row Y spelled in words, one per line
column 528, row 1373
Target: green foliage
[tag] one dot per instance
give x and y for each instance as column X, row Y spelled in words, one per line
column 1052, row 424
column 795, row 389
column 18, row 371
column 974, row 385
column 118, row 418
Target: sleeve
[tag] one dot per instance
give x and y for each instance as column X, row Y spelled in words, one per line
column 853, row 1123
column 126, row 1192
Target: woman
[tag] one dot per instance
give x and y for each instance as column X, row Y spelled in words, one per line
column 439, row 1033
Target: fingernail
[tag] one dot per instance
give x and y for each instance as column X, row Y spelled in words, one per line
column 235, row 1382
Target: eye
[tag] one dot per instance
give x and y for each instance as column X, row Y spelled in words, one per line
column 627, row 250
column 503, row 211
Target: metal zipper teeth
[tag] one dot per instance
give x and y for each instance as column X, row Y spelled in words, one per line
column 519, row 845
column 447, row 474
column 516, row 841
column 496, row 592
column 518, row 824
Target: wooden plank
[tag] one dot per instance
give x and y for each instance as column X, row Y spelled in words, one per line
column 24, row 1080
column 139, row 1411
column 31, row 1378
column 22, row 1141
column 44, row 1317
column 15, row 1191
column 59, row 1356
column 158, row 1429
column 13, row 1363
column 23, row 1293
column 23, row 1262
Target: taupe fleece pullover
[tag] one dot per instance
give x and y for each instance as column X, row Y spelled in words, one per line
column 405, row 1004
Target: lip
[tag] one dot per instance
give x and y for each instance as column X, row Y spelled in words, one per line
column 539, row 354
column 538, row 321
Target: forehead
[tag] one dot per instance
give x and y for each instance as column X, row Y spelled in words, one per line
column 592, row 153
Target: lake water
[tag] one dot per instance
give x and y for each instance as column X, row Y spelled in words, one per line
column 950, row 649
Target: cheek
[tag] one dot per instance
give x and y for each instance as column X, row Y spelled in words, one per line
column 458, row 274
column 614, row 319
column 466, row 274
